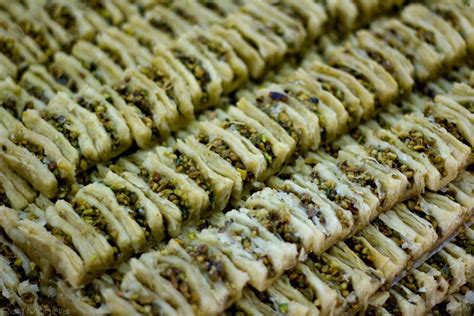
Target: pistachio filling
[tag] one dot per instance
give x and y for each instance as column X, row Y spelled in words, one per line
column 196, row 67
column 410, row 283
column 63, row 78
column 249, row 246
column 331, row 273
column 415, row 207
column 163, row 80
column 382, row 61
column 362, row 177
column 215, row 47
column 220, row 147
column 62, row 15
column 257, row 139
column 92, row 296
column 312, row 104
column 139, row 98
column 360, row 77
column 92, row 216
column 186, row 16
column 278, row 223
column 187, row 165
column 131, row 200
column 52, row 165
column 420, row 143
column 330, row 87
column 389, row 232
column 61, row 123
column 281, row 117
column 312, row 209
column 469, row 105
column 9, row 49
column 395, row 40
column 329, row 188
column 442, row 265
column 178, row 280
column 362, row 251
column 390, row 159
column 61, row 236
column 35, row 31
column 299, row 281
column 162, row 26
column 167, row 188
column 212, row 5
column 100, row 110
column 115, row 56
column 391, row 305
column 452, row 128
column 209, row 262
column 450, row 17
column 463, row 241
column 11, row 105
column 35, row 90
column 92, row 67
column 425, row 35
column 16, row 264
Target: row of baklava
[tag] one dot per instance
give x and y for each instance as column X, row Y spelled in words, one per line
column 319, row 102
column 449, row 272
column 344, row 280
column 199, row 174
column 221, row 156
column 321, row 199
column 216, row 61
column 206, row 271
column 34, row 31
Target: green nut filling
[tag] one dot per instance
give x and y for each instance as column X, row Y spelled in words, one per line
column 62, row 15
column 220, row 147
column 100, row 110
column 196, row 67
column 416, row 141
column 9, row 49
column 390, row 159
column 257, row 139
column 131, row 200
column 139, row 98
column 414, row 205
column 93, row 216
column 330, row 272
column 299, row 281
column 281, row 117
column 187, row 165
column 167, row 189
column 178, row 280
column 389, row 232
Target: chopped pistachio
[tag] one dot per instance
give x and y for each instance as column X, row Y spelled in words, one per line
column 257, row 139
